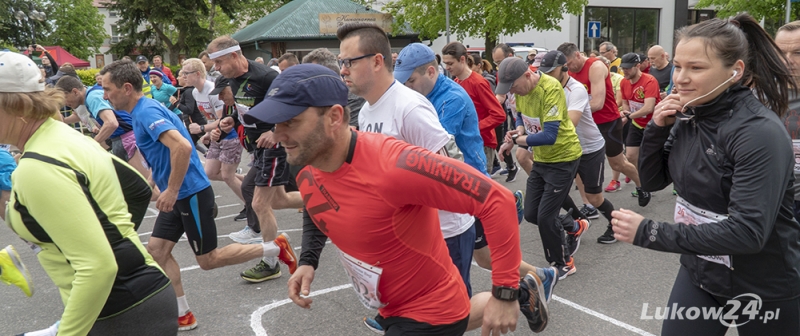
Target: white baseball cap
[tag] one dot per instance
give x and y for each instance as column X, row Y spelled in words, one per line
column 18, row 73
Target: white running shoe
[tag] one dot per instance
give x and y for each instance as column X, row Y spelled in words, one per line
column 246, row 236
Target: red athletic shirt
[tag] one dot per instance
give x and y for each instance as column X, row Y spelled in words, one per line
column 635, row 94
column 610, row 111
column 490, row 113
column 381, row 209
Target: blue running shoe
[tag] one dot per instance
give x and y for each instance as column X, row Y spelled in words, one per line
column 518, row 196
column 373, row 325
column 549, row 277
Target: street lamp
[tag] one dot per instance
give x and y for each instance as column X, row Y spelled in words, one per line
column 33, row 15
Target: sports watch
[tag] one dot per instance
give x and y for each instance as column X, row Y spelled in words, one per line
column 503, row 293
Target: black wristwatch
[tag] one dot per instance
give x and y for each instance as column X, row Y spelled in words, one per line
column 514, row 138
column 503, row 293
column 202, row 128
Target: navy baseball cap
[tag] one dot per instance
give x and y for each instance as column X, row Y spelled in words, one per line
column 141, row 58
column 411, row 57
column 296, row 89
column 552, row 59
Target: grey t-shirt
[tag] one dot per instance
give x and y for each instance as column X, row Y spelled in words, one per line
column 662, row 76
column 792, row 122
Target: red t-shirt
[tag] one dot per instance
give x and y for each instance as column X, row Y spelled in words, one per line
column 635, row 94
column 610, row 111
column 381, row 209
column 490, row 113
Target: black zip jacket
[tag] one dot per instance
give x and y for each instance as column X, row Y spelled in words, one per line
column 734, row 157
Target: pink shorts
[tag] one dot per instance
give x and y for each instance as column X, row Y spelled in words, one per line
column 129, row 143
column 227, row 151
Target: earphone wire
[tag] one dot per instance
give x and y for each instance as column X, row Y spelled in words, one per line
column 705, row 95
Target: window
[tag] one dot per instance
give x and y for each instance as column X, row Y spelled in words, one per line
column 630, row 29
column 112, row 14
column 116, row 35
column 697, row 16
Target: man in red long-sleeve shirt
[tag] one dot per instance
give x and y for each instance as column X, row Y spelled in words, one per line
column 388, row 233
column 490, row 113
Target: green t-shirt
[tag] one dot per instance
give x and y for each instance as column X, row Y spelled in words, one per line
column 545, row 103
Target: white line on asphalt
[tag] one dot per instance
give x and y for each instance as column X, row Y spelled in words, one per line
column 153, row 211
column 227, row 205
column 255, row 318
column 601, row 316
column 190, row 268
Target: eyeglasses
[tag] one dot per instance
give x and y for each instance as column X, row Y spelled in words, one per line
column 347, row 62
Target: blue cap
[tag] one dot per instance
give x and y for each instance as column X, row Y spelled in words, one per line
column 411, row 57
column 296, row 89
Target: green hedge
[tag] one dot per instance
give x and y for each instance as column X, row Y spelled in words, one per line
column 87, row 76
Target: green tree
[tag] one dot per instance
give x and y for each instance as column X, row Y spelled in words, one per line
column 14, row 32
column 487, row 18
column 774, row 10
column 77, row 27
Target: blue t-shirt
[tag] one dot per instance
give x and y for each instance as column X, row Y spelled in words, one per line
column 458, row 117
column 95, row 103
column 162, row 95
column 150, row 119
column 7, row 166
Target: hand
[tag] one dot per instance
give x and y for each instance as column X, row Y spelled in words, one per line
column 95, row 130
column 172, row 99
column 194, row 128
column 663, row 95
column 39, row 48
column 215, row 133
column 507, row 138
column 499, row 317
column 166, row 201
column 505, row 149
column 265, row 140
column 664, row 112
column 226, row 124
column 625, row 224
column 300, row 284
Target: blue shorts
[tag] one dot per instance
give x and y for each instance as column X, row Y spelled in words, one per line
column 7, row 166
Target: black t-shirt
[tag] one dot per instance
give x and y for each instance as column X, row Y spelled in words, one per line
column 662, row 76
column 249, row 90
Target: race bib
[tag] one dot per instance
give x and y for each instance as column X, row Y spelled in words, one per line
column 690, row 214
column 635, row 106
column 207, row 110
column 532, row 125
column 796, row 148
column 242, row 111
column 365, row 279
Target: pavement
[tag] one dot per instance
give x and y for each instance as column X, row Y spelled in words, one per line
column 604, row 297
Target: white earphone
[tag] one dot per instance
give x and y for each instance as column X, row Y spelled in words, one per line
column 735, row 72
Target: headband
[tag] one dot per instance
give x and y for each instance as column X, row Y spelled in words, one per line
column 224, row 52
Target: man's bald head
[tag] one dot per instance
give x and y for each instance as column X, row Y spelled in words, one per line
column 658, row 57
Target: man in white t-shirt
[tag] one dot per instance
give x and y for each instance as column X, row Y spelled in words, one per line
column 223, row 156
column 393, row 109
column 591, row 166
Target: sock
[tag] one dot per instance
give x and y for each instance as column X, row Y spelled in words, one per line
column 524, row 296
column 271, row 261
column 606, row 208
column 568, row 205
column 270, row 249
column 49, row 331
column 183, row 306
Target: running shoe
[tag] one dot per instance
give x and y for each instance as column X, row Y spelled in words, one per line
column 574, row 238
column 590, row 212
column 674, row 192
column 187, row 322
column 261, row 272
column 49, row 331
column 566, row 270
column 644, row 197
column 14, row 272
column 549, row 277
column 613, row 186
column 627, row 179
column 519, row 197
column 373, row 325
column 608, row 237
column 512, row 174
column 246, row 236
column 495, row 169
column 535, row 307
column 503, row 171
column 241, row 216
column 287, row 252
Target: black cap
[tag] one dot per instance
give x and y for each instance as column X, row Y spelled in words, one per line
column 220, row 84
column 630, row 60
column 141, row 58
column 552, row 60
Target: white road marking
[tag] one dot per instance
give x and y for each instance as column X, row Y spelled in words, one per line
column 255, row 318
column 227, row 205
column 153, row 211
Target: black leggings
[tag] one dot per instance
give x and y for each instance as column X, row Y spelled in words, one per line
column 686, row 295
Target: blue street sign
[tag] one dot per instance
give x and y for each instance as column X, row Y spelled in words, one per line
column 593, row 29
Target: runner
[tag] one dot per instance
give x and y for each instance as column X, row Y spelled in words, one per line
column 523, row 154
column 269, row 176
column 594, row 75
column 186, row 202
column 788, row 40
column 542, row 115
column 640, row 94
column 407, row 277
column 591, row 166
column 724, row 148
column 85, row 238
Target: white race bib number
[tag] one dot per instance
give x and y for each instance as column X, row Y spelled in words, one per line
column 635, row 106
column 690, row 214
column 532, row 125
column 796, row 148
column 365, row 279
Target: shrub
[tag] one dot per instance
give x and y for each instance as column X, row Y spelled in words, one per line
column 87, row 76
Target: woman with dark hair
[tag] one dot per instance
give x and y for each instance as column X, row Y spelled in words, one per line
column 719, row 140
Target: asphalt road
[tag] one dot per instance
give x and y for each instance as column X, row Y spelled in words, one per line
column 604, row 297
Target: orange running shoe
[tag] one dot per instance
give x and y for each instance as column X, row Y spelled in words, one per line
column 287, row 253
column 187, row 322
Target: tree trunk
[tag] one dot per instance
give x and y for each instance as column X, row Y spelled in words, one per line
column 490, row 41
column 212, row 13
